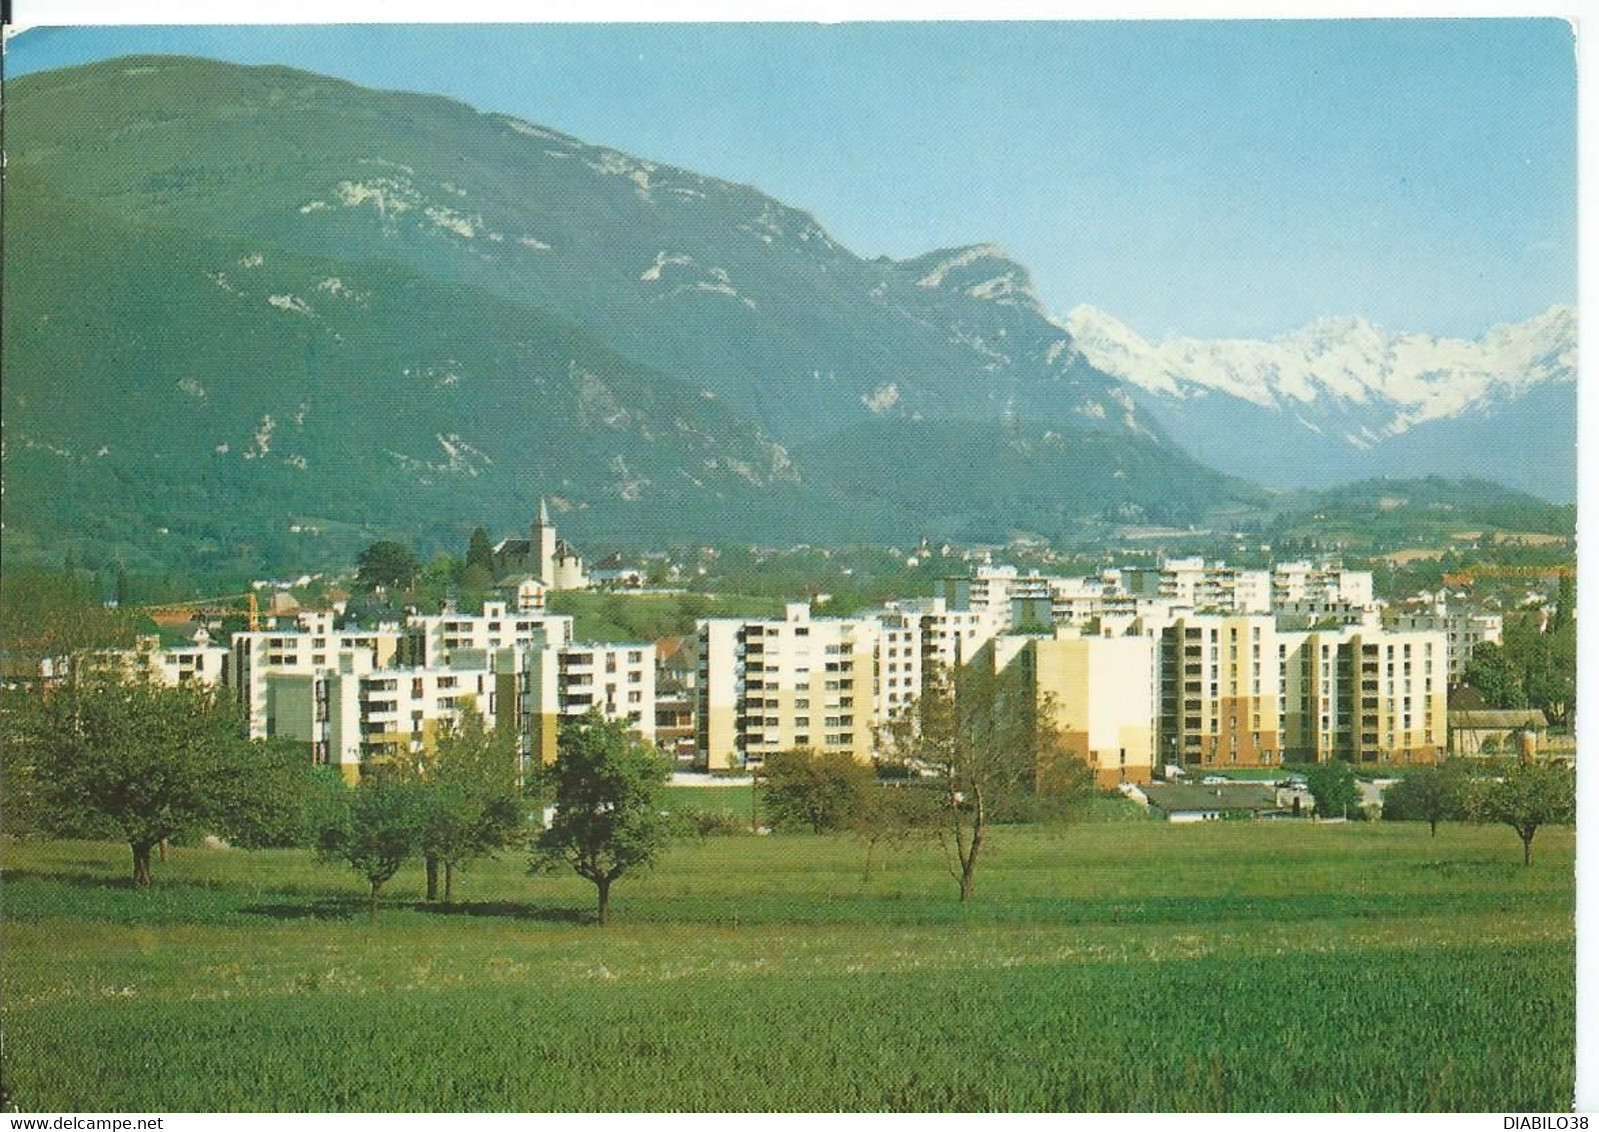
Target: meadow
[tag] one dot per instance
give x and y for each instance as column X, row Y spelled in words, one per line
column 1102, row 966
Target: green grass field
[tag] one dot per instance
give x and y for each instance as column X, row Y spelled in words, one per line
column 1110, row 966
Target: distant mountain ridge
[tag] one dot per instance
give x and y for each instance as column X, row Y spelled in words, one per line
column 1350, row 398
column 309, row 306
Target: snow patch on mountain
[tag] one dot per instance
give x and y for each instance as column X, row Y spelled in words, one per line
column 291, row 303
column 652, row 273
column 1390, row 381
column 883, row 398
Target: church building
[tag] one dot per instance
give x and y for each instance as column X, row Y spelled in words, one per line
column 552, row 560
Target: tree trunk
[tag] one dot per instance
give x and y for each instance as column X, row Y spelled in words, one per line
column 449, row 883
column 432, row 864
column 161, row 850
column 141, row 863
column 605, row 900
column 969, row 865
column 372, row 904
column 867, row 875
column 1526, row 847
column 969, row 861
column 1434, row 823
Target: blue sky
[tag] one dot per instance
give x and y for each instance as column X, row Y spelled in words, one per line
column 1204, row 178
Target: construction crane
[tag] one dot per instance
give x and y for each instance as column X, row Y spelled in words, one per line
column 1471, row 573
column 209, row 607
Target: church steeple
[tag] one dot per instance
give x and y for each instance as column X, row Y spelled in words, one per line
column 544, row 545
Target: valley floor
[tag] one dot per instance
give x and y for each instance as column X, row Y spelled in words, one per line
column 1126, row 966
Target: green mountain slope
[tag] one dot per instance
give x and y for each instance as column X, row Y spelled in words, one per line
column 685, row 273
column 227, row 394
column 989, row 482
column 257, row 317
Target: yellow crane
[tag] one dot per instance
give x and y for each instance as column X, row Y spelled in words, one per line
column 1472, row 573
column 209, row 607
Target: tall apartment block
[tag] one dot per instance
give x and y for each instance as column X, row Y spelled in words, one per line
column 555, row 682
column 311, row 646
column 432, row 639
column 1102, row 694
column 1463, row 630
column 1236, row 691
column 353, row 713
column 772, row 685
column 950, row 636
column 1304, row 582
column 205, row 664
column 353, row 695
column 1191, row 583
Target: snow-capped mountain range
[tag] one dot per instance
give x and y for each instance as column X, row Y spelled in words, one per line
column 1345, row 397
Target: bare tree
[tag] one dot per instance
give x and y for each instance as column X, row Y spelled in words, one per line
column 987, row 740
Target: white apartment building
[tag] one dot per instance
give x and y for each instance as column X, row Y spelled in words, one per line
column 1463, row 630
column 1191, row 583
column 312, row 646
column 951, row 636
column 772, row 685
column 551, row 683
column 1001, row 594
column 1294, row 582
column 433, row 638
column 180, row 664
column 354, row 712
column 899, row 663
column 353, row 694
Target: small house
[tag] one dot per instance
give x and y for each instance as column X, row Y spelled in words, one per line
column 1185, row 802
column 1491, row 731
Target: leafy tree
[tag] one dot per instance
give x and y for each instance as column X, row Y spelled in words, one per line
column 1430, row 794
column 378, row 828
column 474, row 805
column 1547, row 662
column 436, row 581
column 1492, row 673
column 1526, row 796
column 109, row 752
column 480, row 552
column 608, row 816
column 58, row 615
column 986, row 741
column 816, row 790
column 1565, row 603
column 1332, row 785
column 279, row 803
column 386, row 564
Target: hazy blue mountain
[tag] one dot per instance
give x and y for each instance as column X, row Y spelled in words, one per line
column 1342, row 399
